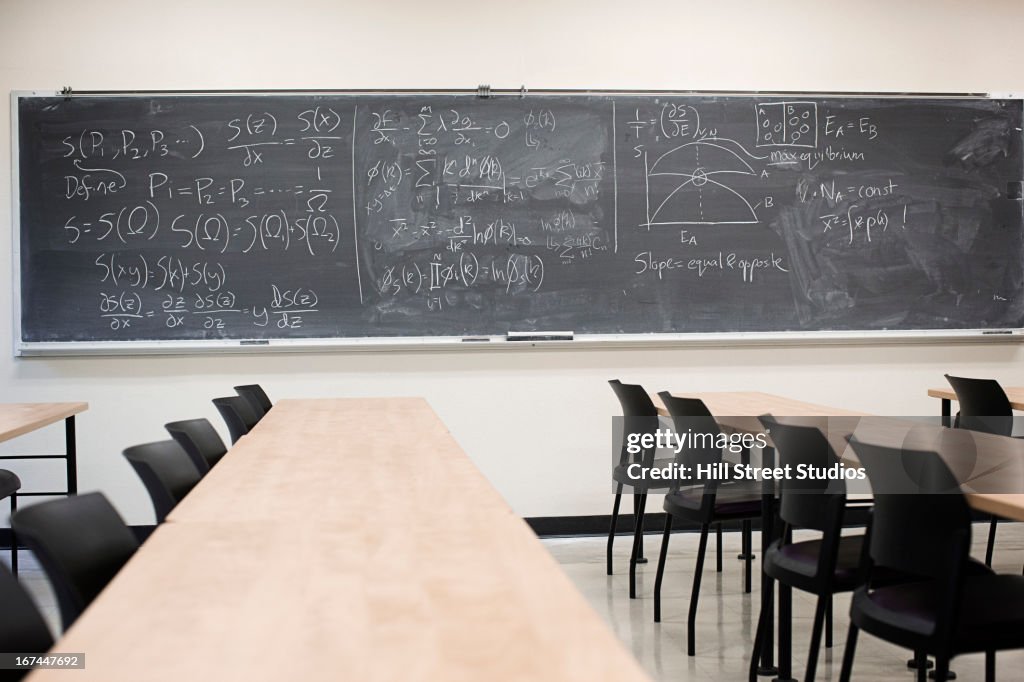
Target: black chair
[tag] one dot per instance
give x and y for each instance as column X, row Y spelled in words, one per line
column 983, row 407
column 257, row 397
column 81, row 542
column 22, row 628
column 953, row 606
column 825, row 566
column 706, row 503
column 238, row 415
column 10, row 484
column 639, row 416
column 200, row 440
column 166, row 470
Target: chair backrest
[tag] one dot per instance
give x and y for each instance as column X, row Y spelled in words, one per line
column 238, row 415
column 9, row 483
column 256, row 395
column 691, row 417
column 811, row 503
column 167, row 472
column 983, row 405
column 634, row 399
column 640, row 415
column 921, row 523
column 22, row 628
column 81, row 542
column 200, row 440
column 254, row 404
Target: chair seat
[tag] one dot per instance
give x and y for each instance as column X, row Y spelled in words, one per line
column 991, row 611
column 796, row 564
column 732, row 501
column 9, row 483
column 620, row 474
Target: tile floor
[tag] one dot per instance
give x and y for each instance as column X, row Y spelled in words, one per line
column 727, row 617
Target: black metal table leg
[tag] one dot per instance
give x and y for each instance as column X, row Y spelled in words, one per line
column 767, row 666
column 14, row 538
column 747, row 551
column 72, row 452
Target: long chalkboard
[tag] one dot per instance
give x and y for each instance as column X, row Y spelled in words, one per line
column 201, row 220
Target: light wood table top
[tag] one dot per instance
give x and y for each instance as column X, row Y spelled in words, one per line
column 754, row 403
column 344, row 540
column 341, row 459
column 17, row 419
column 739, row 410
column 1014, row 393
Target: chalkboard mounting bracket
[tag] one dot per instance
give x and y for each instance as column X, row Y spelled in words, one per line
column 483, row 91
column 522, row 92
column 67, row 92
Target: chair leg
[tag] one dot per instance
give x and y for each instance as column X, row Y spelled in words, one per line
column 638, row 545
column 639, row 503
column 755, row 656
column 828, row 623
column 691, row 621
column 785, row 632
column 990, row 548
column 920, row 659
column 661, row 567
column 941, row 669
column 748, row 556
column 920, row 663
column 851, row 647
column 816, row 627
column 718, row 547
column 990, row 666
column 615, row 519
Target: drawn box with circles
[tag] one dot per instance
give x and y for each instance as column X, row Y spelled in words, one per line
column 787, row 124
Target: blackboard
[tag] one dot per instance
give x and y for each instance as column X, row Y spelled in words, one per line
column 205, row 220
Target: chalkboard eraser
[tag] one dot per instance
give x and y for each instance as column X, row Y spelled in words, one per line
column 539, row 336
column 997, row 331
column 254, row 342
column 475, row 339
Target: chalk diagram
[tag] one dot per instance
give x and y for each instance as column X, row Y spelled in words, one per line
column 693, row 183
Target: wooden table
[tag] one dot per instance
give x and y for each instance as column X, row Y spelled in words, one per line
column 17, row 419
column 739, row 410
column 1007, row 505
column 344, row 540
column 947, row 395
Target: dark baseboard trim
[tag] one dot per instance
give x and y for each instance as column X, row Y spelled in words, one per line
column 598, row 524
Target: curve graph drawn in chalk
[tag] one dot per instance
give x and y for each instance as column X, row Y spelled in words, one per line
column 690, row 185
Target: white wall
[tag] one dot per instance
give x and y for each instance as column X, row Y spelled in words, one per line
column 516, row 413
